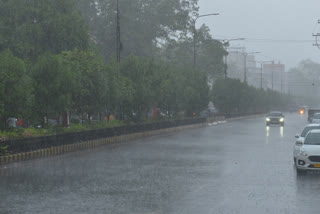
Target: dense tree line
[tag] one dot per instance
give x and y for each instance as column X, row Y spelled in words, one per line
column 80, row 82
column 303, row 81
column 160, row 29
column 144, row 23
column 58, row 56
column 233, row 96
column 30, row 28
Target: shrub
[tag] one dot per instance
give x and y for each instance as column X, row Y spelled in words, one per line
column 4, row 150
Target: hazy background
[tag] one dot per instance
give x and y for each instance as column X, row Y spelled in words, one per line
column 265, row 21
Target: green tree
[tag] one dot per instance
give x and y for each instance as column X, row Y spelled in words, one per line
column 209, row 52
column 90, row 79
column 31, row 28
column 138, row 72
column 144, row 23
column 53, row 84
column 232, row 96
column 303, row 81
column 171, row 90
column 15, row 88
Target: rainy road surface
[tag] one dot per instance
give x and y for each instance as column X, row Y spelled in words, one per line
column 237, row 167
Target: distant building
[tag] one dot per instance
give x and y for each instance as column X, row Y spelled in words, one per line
column 236, row 66
column 273, row 74
column 275, row 77
column 235, row 63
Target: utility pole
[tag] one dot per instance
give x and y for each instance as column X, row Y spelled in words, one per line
column 226, row 65
column 316, row 36
column 261, row 68
column 280, row 75
column 272, row 76
column 245, row 64
column 261, row 75
column 194, row 44
column 245, row 68
column 118, row 43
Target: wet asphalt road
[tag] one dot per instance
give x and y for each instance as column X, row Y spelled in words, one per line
column 237, row 167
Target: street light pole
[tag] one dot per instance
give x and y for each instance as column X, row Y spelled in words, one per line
column 245, row 64
column 272, row 78
column 245, row 68
column 226, row 44
column 261, row 75
column 261, row 67
column 194, row 35
column 226, row 65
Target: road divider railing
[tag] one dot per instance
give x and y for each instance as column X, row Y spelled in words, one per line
column 27, row 150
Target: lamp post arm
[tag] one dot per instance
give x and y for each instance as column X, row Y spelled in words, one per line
column 194, row 35
column 209, row 14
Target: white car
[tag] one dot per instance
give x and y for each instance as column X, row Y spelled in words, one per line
column 308, row 157
column 316, row 118
column 300, row 138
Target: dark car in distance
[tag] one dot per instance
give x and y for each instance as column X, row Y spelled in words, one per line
column 275, row 117
column 311, row 112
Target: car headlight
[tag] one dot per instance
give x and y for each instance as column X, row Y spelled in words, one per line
column 302, row 153
column 267, row 119
column 281, row 119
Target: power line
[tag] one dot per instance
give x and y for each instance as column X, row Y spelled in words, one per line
column 279, row 41
column 264, row 40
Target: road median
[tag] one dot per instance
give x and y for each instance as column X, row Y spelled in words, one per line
column 43, row 147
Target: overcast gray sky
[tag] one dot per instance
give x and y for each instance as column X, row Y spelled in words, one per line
column 263, row 21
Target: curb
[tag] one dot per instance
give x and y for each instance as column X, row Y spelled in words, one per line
column 244, row 117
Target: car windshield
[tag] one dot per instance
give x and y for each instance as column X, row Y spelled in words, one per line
column 307, row 129
column 312, row 139
column 275, row 114
column 316, row 116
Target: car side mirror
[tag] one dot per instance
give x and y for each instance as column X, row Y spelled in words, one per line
column 299, row 143
column 297, row 136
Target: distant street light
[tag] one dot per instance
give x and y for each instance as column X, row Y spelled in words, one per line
column 226, row 44
column 261, row 66
column 194, row 35
column 245, row 63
